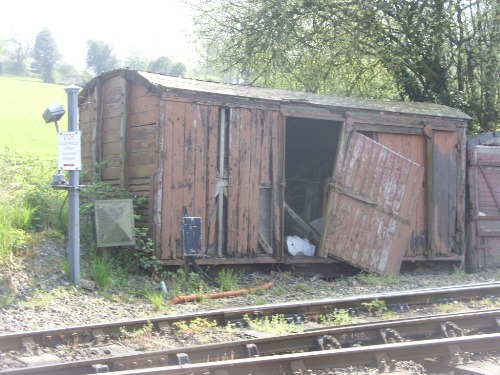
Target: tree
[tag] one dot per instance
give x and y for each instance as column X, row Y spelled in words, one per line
column 178, row 69
column 67, row 73
column 100, row 57
column 46, row 54
column 137, row 62
column 161, row 65
column 19, row 50
column 441, row 51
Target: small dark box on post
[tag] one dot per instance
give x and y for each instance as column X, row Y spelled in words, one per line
column 191, row 235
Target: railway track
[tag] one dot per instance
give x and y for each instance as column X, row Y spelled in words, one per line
column 451, row 327
column 298, row 311
column 445, row 326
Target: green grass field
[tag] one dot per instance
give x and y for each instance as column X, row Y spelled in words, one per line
column 22, row 128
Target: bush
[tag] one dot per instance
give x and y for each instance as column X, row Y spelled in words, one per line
column 27, row 201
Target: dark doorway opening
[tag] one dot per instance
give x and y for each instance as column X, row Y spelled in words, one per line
column 310, row 153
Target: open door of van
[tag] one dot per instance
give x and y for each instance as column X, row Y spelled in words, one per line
column 371, row 200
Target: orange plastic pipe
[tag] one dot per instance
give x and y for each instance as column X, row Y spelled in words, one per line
column 232, row 293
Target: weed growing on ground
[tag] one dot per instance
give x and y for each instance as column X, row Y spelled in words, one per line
column 42, row 298
column 145, row 330
column 197, row 326
column 37, row 300
column 156, row 299
column 6, row 299
column 177, row 284
column 458, row 273
column 140, row 335
column 376, row 307
column 488, row 303
column 276, row 325
column 302, row 287
column 101, row 271
column 377, row 280
column 228, row 280
column 27, row 202
column 338, row 317
column 446, row 308
column 389, row 315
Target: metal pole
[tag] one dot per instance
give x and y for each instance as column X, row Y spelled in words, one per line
column 73, row 193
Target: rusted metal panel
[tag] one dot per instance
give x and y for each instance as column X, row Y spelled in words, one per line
column 372, row 198
column 413, row 148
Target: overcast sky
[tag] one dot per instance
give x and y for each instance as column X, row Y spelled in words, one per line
column 152, row 27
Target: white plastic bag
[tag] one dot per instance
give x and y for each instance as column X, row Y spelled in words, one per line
column 300, row 246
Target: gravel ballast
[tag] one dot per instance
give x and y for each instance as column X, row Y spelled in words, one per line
column 36, row 294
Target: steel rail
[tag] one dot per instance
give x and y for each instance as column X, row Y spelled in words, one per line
column 383, row 356
column 92, row 333
column 444, row 325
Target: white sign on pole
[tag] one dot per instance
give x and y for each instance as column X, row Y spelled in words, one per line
column 70, row 151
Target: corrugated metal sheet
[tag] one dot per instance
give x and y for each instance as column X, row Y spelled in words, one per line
column 371, row 204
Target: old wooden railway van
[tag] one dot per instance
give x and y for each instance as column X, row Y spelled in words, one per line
column 273, row 173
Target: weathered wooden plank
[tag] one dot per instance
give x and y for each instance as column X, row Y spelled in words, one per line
column 141, row 171
column 111, row 110
column 210, row 118
column 197, row 163
column 110, row 136
column 158, row 183
column 413, row 148
column 111, row 173
column 257, row 117
column 111, row 124
column 382, row 226
column 489, row 227
column 143, row 118
column 244, row 181
column 113, row 90
column 371, row 191
column 178, row 184
column 165, row 212
column 358, row 168
column 144, row 132
column 111, row 148
column 125, row 138
column 233, row 181
column 488, row 190
column 141, row 102
column 264, row 144
column 142, row 188
column 142, row 158
column 188, row 164
column 446, row 161
column 277, row 126
column 139, row 90
column 144, row 144
column 311, row 112
column 265, row 245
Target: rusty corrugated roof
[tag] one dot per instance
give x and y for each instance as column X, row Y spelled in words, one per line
column 167, row 83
